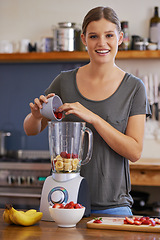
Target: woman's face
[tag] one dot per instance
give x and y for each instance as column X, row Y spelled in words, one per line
column 102, row 40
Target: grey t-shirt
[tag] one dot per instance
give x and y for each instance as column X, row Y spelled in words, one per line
column 107, row 173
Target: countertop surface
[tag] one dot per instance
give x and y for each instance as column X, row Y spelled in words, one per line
column 49, row 230
column 146, row 163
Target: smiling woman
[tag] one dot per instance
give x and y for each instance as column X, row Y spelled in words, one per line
column 102, row 39
column 113, row 104
column 101, row 30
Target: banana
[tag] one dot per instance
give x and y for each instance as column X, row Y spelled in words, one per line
column 25, row 219
column 75, row 163
column 11, row 216
column 59, row 166
column 18, row 217
column 30, row 211
column 67, row 167
column 6, row 216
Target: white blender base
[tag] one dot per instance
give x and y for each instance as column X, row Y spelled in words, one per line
column 66, row 191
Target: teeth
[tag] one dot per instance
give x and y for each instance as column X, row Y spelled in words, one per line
column 102, row 51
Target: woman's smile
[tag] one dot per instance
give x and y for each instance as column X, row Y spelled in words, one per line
column 102, row 51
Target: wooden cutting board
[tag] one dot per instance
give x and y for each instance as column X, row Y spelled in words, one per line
column 113, row 223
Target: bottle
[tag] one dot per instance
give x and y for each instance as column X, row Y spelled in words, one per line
column 126, row 41
column 154, row 33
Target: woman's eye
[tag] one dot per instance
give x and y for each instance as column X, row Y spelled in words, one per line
column 93, row 36
column 109, row 35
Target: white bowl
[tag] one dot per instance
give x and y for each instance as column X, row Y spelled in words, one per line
column 152, row 46
column 66, row 217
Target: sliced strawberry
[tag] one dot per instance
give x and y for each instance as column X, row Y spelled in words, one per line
column 137, row 219
column 125, row 221
column 129, row 220
column 157, row 220
column 136, row 222
column 143, row 219
column 146, row 222
column 152, row 222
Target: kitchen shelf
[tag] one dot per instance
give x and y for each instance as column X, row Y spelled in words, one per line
column 72, row 56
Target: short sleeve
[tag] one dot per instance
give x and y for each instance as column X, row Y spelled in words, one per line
column 54, row 86
column 140, row 104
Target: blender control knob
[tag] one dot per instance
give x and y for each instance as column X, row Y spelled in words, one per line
column 57, row 197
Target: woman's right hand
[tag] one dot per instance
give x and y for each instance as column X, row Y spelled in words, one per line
column 37, row 105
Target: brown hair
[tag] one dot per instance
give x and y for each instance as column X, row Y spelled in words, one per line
column 97, row 13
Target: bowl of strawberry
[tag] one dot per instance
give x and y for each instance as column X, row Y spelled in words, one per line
column 67, row 215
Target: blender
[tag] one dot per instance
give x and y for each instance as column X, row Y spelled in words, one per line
column 67, row 141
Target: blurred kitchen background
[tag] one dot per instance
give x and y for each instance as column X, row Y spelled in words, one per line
column 21, row 82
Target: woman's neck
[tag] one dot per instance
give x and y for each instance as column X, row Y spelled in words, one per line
column 102, row 71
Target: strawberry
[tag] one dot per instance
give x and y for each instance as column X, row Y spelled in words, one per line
column 57, row 205
column 146, row 222
column 137, row 219
column 69, row 205
column 63, row 154
column 143, row 219
column 59, row 115
column 152, row 222
column 77, row 205
column 97, row 220
column 68, row 155
column 157, row 220
column 129, row 220
column 74, row 155
column 136, row 222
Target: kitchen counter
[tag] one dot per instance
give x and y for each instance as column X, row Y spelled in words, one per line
column 49, row 230
column 145, row 172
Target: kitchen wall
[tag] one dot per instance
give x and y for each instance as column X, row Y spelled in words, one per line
column 34, row 19
column 20, row 83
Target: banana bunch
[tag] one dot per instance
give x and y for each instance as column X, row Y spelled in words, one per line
column 28, row 218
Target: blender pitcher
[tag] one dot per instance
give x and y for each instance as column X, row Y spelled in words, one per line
column 66, row 144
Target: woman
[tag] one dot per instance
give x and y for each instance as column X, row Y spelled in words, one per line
column 114, row 105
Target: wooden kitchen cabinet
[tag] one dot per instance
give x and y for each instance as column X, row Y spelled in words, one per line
column 145, row 172
column 75, row 56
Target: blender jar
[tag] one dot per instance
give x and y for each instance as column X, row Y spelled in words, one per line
column 66, row 144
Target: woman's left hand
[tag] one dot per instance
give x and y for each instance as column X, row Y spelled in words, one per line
column 78, row 110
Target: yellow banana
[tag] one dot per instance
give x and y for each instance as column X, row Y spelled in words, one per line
column 24, row 219
column 30, row 211
column 21, row 211
column 11, row 216
column 6, row 216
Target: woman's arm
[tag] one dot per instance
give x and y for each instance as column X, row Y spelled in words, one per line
column 128, row 145
column 34, row 122
column 33, row 126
